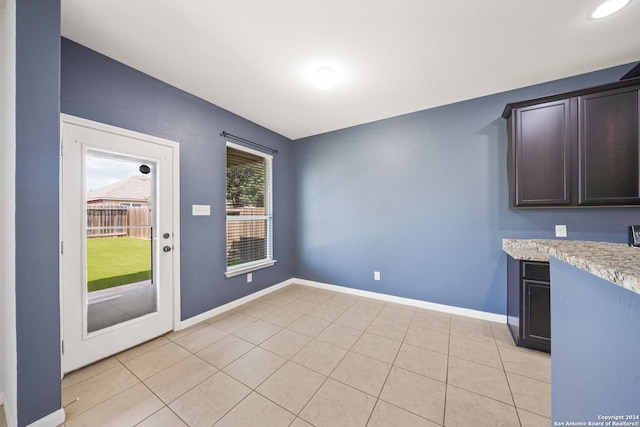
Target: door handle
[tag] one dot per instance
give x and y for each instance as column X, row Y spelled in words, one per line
column 167, row 249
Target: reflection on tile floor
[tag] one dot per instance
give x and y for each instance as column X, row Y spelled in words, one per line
column 303, row 356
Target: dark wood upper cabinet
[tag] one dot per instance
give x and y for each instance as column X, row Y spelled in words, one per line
column 542, row 154
column 576, row 149
column 609, row 139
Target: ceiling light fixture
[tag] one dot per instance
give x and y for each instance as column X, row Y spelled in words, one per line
column 324, row 78
column 608, row 8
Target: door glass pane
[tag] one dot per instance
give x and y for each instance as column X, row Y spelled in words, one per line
column 119, row 239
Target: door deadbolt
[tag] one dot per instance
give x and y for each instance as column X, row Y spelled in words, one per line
column 166, row 235
column 167, row 249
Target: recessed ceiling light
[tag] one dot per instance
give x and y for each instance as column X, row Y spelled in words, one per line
column 608, row 8
column 324, row 78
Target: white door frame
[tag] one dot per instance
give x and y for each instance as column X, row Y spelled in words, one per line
column 175, row 148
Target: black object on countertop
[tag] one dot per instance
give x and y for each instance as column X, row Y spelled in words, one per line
column 634, row 235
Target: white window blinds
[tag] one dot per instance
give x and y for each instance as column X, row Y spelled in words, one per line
column 249, row 213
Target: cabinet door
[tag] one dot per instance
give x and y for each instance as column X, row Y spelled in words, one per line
column 608, row 145
column 542, row 139
column 536, row 316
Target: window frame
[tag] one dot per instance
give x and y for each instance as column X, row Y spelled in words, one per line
column 250, row 266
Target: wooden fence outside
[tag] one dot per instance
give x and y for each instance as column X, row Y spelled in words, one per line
column 118, row 221
column 246, row 239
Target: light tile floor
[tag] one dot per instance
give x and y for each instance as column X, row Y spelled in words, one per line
column 302, row 356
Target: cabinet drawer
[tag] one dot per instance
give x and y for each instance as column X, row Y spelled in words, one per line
column 535, row 270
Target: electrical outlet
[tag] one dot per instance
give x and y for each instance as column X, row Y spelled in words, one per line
column 376, row 275
column 561, row 231
column 249, row 277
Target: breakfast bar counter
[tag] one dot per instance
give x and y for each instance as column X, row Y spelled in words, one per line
column 616, row 262
column 595, row 313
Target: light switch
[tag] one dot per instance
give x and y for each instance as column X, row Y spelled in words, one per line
column 200, row 210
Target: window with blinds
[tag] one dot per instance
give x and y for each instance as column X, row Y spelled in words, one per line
column 249, row 214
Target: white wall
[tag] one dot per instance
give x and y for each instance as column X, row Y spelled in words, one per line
column 2, row 242
column 7, row 226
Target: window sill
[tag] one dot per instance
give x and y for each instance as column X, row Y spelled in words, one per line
column 249, row 268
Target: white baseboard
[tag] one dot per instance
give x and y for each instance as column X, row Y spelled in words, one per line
column 54, row 419
column 8, row 413
column 476, row 314
column 231, row 305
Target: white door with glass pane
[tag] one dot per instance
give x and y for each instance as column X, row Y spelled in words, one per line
column 119, row 259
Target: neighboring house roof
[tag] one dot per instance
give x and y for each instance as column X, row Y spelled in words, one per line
column 132, row 188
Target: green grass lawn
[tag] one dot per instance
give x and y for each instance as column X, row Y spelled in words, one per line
column 117, row 261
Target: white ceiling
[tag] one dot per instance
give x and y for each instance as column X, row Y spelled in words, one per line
column 256, row 57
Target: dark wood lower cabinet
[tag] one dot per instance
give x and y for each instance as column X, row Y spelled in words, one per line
column 528, row 303
column 536, row 319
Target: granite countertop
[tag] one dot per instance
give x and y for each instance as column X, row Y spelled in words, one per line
column 615, row 262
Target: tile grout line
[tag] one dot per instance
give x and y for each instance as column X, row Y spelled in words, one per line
column 507, row 378
column 106, row 399
column 413, row 314
column 334, row 368
column 166, row 405
column 529, row 353
column 296, row 415
column 253, row 390
column 446, row 382
column 326, row 376
column 99, row 403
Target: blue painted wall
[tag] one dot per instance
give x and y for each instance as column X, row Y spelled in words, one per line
column 422, row 198
column 98, row 88
column 596, row 342
column 37, row 148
